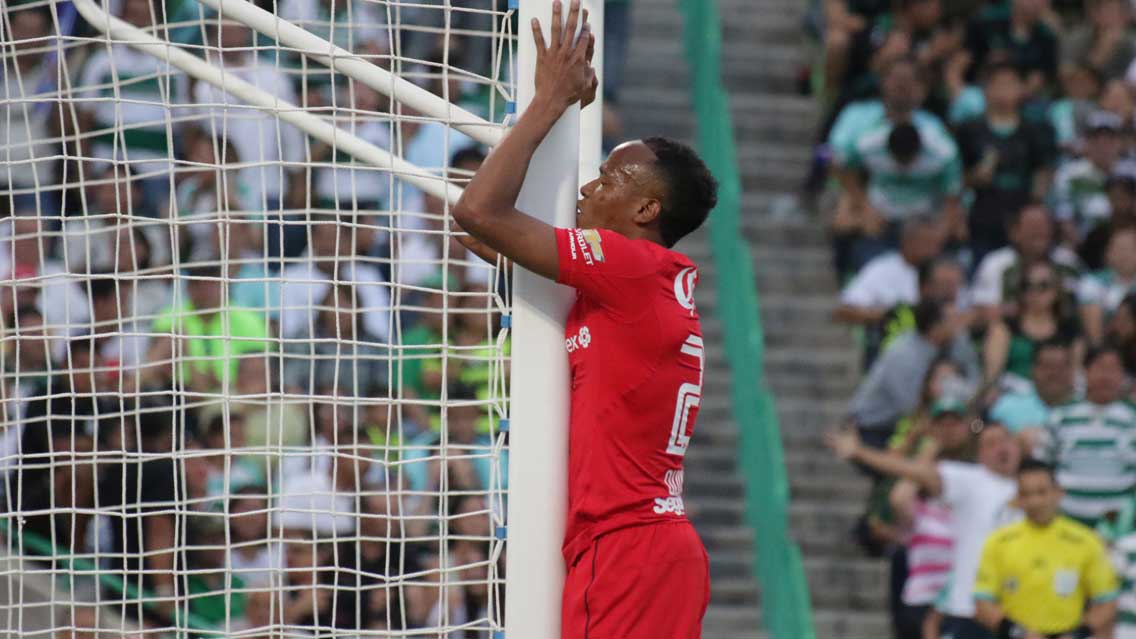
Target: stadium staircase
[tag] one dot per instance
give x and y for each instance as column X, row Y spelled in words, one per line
column 811, row 364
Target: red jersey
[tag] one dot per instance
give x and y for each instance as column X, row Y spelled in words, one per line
column 635, row 351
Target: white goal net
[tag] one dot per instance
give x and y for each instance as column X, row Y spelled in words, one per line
column 252, row 385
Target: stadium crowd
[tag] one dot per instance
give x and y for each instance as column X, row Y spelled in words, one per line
column 232, row 379
column 985, row 232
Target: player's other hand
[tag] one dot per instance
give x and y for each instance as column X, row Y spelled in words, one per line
column 844, row 441
column 564, row 72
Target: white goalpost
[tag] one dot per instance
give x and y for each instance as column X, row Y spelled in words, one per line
column 251, row 387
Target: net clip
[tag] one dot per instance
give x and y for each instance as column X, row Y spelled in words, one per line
column 501, row 532
column 503, row 425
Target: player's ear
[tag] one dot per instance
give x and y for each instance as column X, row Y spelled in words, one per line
column 649, row 211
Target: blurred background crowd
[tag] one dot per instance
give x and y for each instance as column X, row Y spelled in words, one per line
column 983, row 154
column 232, row 377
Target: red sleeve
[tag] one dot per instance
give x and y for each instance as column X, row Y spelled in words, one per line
column 608, row 268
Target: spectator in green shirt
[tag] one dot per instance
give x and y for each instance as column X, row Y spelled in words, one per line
column 205, row 334
column 421, row 344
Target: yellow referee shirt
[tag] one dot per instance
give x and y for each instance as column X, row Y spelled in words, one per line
column 1042, row 576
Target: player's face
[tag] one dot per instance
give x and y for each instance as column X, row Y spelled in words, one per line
column 625, row 185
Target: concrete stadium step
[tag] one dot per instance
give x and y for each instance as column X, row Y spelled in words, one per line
column 740, row 591
column 846, row 584
column 767, row 233
column 810, row 307
column 850, row 623
column 811, row 364
column 773, row 67
column 727, row 540
column 792, row 255
column 825, row 530
column 771, row 26
column 803, row 425
column 772, row 169
column 734, row 565
column 812, row 488
column 738, row 622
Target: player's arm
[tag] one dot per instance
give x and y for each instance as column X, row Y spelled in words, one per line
column 845, row 442
column 487, row 208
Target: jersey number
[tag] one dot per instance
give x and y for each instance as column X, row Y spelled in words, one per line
column 689, row 397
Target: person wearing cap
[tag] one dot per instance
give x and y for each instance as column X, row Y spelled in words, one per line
column 1121, row 187
column 1092, row 442
column 925, row 521
column 1080, row 199
column 1047, row 575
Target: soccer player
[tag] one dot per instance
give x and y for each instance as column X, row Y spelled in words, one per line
column 1047, row 575
column 636, row 569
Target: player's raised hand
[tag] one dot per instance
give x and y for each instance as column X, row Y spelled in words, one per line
column 564, row 71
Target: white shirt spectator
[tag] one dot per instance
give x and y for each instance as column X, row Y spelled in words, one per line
column 349, row 180
column 356, row 24
column 89, row 243
column 24, row 137
column 143, row 110
column 1104, row 289
column 990, row 276
column 430, row 149
column 980, row 500
column 124, row 349
column 418, row 261
column 305, row 286
column 884, row 282
column 261, row 139
column 309, row 501
column 1080, row 195
column 256, row 571
column 60, row 300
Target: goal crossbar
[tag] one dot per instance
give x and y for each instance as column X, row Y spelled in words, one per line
column 353, row 66
column 312, row 125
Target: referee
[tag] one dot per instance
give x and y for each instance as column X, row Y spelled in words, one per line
column 1046, row 576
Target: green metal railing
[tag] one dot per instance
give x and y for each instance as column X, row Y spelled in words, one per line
column 784, row 594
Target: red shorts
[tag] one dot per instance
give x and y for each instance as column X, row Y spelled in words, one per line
column 645, row 582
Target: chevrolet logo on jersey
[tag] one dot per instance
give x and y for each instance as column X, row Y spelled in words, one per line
column 595, row 243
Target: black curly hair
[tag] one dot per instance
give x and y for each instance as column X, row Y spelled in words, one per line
column 691, row 191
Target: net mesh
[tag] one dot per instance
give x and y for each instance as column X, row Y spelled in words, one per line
column 252, row 387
